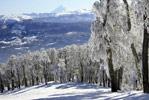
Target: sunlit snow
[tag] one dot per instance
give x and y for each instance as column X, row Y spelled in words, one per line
column 70, row 91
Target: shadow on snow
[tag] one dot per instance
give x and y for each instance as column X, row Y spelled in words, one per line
column 96, row 95
column 78, row 86
column 99, row 94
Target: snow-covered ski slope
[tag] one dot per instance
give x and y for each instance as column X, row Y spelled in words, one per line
column 71, row 91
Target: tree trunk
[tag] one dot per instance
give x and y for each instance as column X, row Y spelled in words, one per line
column 19, row 81
column 119, row 80
column 24, row 75
column 111, row 71
column 1, row 85
column 69, row 77
column 8, row 86
column 116, row 78
column 41, row 79
column 37, row 80
column 12, row 80
column 134, row 52
column 18, row 75
column 33, row 81
column 103, row 78
column 45, row 74
column 82, row 73
column 61, row 79
column 45, row 78
column 106, row 79
column 109, row 82
column 145, row 59
column 128, row 16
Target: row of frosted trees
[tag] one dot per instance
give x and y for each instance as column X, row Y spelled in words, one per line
column 116, row 54
column 69, row 64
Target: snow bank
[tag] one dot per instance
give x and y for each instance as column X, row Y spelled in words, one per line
column 70, row 91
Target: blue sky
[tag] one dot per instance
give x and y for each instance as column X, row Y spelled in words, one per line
column 41, row 6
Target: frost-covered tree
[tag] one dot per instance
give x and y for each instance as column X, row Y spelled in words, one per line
column 52, row 54
column 105, row 30
column 12, row 68
column 139, row 14
column 61, row 70
column 37, row 57
column 145, row 14
column 114, row 41
column 24, row 68
column 2, row 77
column 69, row 57
column 45, row 62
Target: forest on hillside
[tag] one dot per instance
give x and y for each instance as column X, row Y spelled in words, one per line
column 116, row 54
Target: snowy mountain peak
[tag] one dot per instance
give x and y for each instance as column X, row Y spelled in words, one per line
column 59, row 9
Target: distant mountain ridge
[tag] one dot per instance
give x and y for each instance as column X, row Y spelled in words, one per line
column 60, row 14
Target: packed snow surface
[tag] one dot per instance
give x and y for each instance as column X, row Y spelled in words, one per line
column 71, row 91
